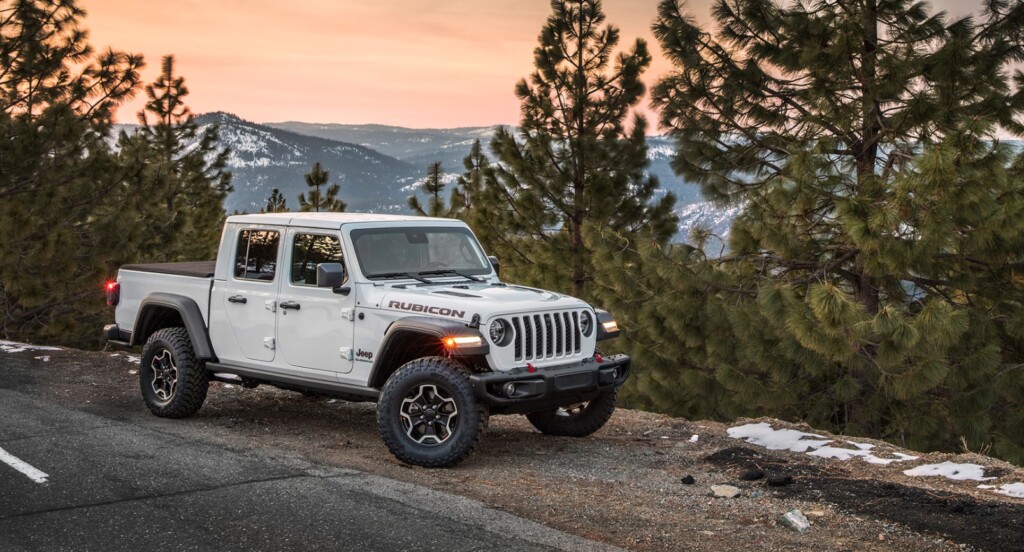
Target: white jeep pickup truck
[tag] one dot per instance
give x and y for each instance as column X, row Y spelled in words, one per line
column 405, row 311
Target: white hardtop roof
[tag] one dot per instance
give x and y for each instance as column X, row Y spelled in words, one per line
column 327, row 220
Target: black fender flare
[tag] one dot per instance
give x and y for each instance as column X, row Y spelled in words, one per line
column 418, row 327
column 190, row 314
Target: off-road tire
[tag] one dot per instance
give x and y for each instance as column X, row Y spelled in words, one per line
column 590, row 419
column 191, row 379
column 452, row 382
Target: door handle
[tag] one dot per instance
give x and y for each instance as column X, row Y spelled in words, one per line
column 290, row 305
column 237, row 299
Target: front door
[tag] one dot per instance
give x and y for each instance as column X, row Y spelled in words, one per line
column 250, row 294
column 314, row 324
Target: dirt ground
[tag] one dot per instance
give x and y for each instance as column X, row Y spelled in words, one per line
column 623, row 486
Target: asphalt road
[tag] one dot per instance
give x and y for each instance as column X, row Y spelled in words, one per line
column 112, row 484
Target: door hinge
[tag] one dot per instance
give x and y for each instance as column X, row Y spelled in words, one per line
column 270, row 305
column 346, row 353
column 269, row 343
column 348, row 314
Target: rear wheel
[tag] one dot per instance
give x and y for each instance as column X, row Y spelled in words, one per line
column 576, row 420
column 173, row 381
column 428, row 415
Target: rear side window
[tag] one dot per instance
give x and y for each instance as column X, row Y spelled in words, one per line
column 256, row 256
column 309, row 250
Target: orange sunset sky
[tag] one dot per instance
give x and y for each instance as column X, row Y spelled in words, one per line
column 415, row 63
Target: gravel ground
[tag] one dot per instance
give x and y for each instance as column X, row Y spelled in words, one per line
column 623, row 486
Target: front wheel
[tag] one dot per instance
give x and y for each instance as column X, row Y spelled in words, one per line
column 428, row 415
column 576, row 420
column 173, row 381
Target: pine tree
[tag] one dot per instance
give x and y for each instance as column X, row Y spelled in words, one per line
column 470, row 184
column 572, row 163
column 433, row 186
column 179, row 174
column 329, row 202
column 276, row 203
column 470, row 198
column 872, row 283
column 60, row 185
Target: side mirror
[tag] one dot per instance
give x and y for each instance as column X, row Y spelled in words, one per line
column 330, row 275
column 495, row 264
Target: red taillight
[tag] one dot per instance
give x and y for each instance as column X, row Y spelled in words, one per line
column 113, row 293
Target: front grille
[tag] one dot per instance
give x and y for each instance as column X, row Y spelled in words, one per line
column 543, row 336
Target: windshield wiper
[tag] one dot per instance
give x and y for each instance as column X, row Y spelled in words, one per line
column 449, row 271
column 399, row 275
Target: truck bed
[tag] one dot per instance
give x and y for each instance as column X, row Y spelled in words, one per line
column 192, row 280
column 198, row 269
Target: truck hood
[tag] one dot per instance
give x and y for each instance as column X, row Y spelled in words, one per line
column 461, row 300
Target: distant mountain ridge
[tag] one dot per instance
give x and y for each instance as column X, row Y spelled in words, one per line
column 263, row 158
column 419, row 147
column 378, row 166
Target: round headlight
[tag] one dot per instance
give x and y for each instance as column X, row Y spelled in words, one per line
column 497, row 331
column 586, row 323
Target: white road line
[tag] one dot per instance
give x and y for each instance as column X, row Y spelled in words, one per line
column 22, row 466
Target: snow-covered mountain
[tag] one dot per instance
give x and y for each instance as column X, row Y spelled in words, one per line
column 263, row 158
column 378, row 166
column 420, row 147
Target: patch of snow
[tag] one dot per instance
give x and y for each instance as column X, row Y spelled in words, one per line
column 1016, row 490
column 693, row 438
column 950, row 470
column 15, row 347
column 44, row 358
column 811, row 443
column 778, row 439
column 845, row 454
column 133, row 359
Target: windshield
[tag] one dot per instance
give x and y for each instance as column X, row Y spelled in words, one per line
column 417, row 251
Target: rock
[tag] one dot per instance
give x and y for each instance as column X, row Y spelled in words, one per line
column 725, row 491
column 751, row 475
column 816, row 513
column 687, row 480
column 757, row 494
column 780, row 480
column 795, row 520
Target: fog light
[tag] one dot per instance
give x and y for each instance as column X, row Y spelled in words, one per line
column 509, row 389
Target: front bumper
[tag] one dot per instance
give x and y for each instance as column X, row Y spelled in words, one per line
column 552, row 387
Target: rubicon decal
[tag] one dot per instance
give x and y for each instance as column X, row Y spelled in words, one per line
column 416, row 307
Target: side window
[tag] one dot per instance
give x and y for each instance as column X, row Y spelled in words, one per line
column 309, row 250
column 256, row 256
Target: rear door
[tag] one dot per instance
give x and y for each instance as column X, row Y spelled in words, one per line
column 250, row 294
column 314, row 325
